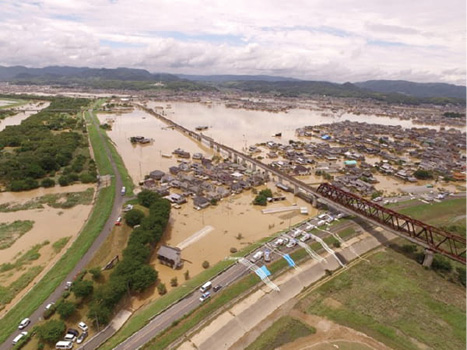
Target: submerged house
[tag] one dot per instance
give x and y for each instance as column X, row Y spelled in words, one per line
column 170, row 256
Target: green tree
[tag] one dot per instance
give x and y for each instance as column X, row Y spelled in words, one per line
column 146, row 198
column 48, row 182
column 423, row 174
column 174, row 282
column 82, row 289
column 51, row 331
column 161, row 289
column 65, row 309
column 134, row 217
column 96, row 273
column 144, row 277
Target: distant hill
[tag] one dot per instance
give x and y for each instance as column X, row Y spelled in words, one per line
column 55, row 74
column 414, row 89
column 226, row 78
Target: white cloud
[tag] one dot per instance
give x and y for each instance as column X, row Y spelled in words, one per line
column 337, row 40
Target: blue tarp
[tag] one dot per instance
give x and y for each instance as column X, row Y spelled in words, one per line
column 265, row 270
column 289, row 260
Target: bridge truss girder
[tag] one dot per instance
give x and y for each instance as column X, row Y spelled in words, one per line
column 434, row 238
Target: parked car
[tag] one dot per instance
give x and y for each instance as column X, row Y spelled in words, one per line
column 73, row 331
column 204, row 296
column 257, row 256
column 128, row 207
column 305, row 237
column 216, row 288
column 49, row 306
column 320, row 223
column 295, row 233
column 24, row 323
column 19, row 337
column 292, row 243
column 68, row 285
column 278, row 242
column 118, row 222
column 267, row 255
column 81, row 337
column 83, row 326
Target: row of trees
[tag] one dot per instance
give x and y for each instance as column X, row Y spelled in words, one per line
column 133, row 273
column 48, row 142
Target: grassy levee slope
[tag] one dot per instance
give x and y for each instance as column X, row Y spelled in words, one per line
column 90, row 231
column 396, row 301
column 283, row 331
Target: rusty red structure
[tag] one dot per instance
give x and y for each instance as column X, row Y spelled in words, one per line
column 433, row 238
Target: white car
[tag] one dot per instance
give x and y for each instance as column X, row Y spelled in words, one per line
column 258, row 255
column 295, row 233
column 83, row 326
column 292, row 243
column 305, row 237
column 49, row 306
column 24, row 323
column 204, row 296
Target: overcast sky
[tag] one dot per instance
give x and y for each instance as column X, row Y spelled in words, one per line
column 333, row 40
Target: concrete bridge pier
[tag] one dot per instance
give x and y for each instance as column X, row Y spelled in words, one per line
column 428, row 260
column 295, row 190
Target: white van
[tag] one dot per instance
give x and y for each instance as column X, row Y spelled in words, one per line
column 19, row 337
column 258, row 255
column 205, row 287
column 64, row 345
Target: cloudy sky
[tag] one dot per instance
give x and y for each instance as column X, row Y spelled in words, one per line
column 333, row 40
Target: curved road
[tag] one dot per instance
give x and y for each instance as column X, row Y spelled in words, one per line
column 116, row 210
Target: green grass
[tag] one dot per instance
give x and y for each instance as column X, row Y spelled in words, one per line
column 285, row 330
column 394, row 300
column 24, row 259
column 8, row 293
column 126, row 179
column 91, row 230
column 58, row 245
column 437, row 214
column 10, row 232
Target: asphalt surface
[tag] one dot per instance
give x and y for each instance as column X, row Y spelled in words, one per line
column 163, row 320
column 116, row 211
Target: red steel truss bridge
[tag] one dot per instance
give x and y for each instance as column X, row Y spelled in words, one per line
column 432, row 238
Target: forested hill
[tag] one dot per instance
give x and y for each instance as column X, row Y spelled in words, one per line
column 56, row 73
column 309, row 88
column 414, row 89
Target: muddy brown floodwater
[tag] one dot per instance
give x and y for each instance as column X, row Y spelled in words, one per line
column 22, row 115
column 50, row 224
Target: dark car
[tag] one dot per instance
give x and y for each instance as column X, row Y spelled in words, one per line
column 73, row 331
column 216, row 288
column 82, row 337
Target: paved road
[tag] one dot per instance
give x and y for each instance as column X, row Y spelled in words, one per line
column 184, row 306
column 116, row 210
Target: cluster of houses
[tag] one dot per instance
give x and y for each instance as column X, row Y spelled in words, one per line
column 342, row 154
column 203, row 180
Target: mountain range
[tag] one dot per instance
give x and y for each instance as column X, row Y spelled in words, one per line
column 143, row 79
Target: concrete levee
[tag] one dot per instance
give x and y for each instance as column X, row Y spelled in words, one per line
column 226, row 329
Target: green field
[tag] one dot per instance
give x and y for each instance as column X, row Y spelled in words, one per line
column 447, row 212
column 396, row 301
column 285, row 330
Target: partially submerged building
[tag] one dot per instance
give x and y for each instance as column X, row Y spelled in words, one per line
column 170, row 256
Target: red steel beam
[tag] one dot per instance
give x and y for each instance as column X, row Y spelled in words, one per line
column 436, row 239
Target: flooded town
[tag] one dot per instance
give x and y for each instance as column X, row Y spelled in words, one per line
column 373, row 150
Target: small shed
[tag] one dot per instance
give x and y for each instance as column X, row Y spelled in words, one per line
column 170, row 256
